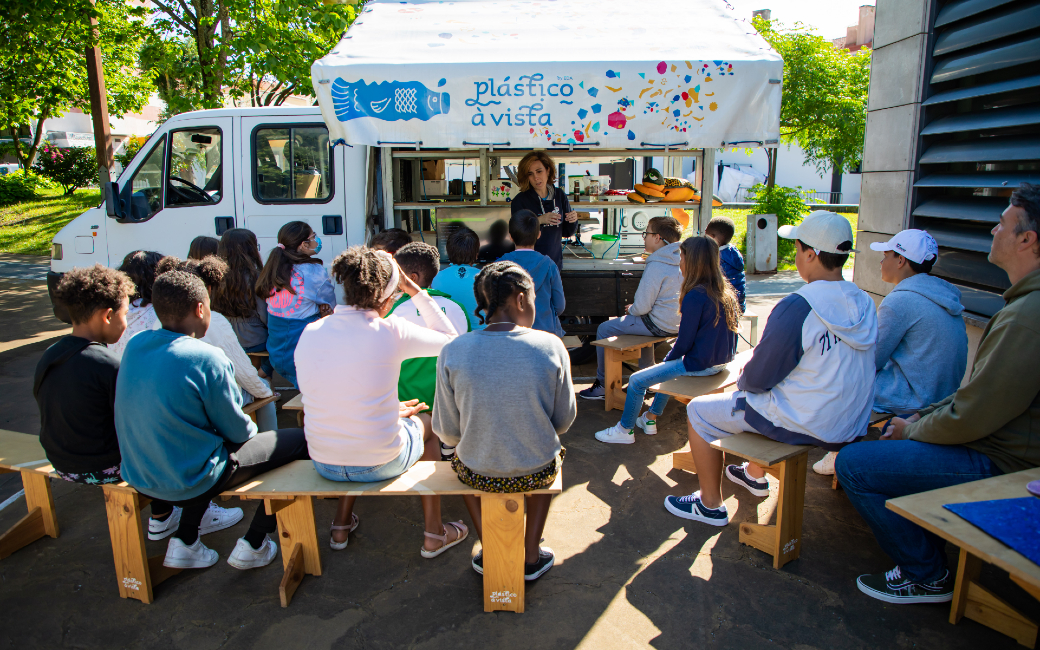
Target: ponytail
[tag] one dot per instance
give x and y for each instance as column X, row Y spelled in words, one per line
column 277, row 272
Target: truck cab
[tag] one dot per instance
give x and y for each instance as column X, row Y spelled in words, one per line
column 204, row 172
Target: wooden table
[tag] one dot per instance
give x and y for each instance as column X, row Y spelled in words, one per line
column 970, row 599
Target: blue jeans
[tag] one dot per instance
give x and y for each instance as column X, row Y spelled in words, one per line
column 410, row 455
column 617, row 326
column 875, row 471
column 639, row 382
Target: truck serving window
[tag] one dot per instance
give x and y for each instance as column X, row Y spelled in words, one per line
column 292, row 164
column 146, row 187
column 195, row 172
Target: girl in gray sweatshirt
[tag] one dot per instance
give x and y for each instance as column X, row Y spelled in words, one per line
column 506, row 441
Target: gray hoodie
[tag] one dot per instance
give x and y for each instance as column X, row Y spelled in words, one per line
column 658, row 292
column 922, row 347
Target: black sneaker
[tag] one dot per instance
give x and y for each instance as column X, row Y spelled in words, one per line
column 893, row 587
column 447, row 453
column 537, row 569
column 595, row 391
column 478, row 562
column 738, row 474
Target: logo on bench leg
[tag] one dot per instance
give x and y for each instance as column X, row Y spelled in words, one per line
column 790, row 546
column 132, row 583
column 502, row 596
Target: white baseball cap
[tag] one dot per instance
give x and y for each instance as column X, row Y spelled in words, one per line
column 824, row 231
column 915, row 245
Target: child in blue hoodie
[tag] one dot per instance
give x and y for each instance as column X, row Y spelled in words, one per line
column 549, row 302
column 457, row 280
column 721, row 229
column 298, row 291
column 706, row 342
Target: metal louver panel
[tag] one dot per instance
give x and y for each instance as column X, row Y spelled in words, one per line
column 951, row 237
column 987, row 28
column 956, row 67
column 961, row 9
column 976, row 209
column 971, row 268
column 984, row 90
column 982, row 150
column 981, row 302
column 1000, row 118
column 992, row 179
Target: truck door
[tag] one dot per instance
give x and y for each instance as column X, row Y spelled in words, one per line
column 292, row 173
column 182, row 189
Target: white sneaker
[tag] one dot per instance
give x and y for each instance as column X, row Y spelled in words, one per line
column 196, row 556
column 648, row 426
column 162, row 529
column 825, row 465
column 246, row 557
column 217, row 518
column 617, row 434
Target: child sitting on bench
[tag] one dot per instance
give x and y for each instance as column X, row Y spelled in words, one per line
column 75, row 386
column 525, row 230
column 182, row 434
column 140, row 267
column 721, row 229
column 349, row 365
column 457, row 280
column 707, row 339
column 655, row 308
column 510, row 445
column 810, row 381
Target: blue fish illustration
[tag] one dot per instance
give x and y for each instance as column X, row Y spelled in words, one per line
column 388, row 100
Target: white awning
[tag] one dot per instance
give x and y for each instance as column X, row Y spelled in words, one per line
column 612, row 74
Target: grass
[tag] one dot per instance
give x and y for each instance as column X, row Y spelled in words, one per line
column 739, row 218
column 28, row 227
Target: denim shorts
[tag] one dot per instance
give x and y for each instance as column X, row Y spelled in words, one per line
column 411, row 433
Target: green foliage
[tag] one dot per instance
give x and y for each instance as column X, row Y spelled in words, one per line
column 788, row 206
column 824, row 106
column 29, row 227
column 173, row 67
column 43, row 71
column 130, row 149
column 21, row 185
column 71, row 168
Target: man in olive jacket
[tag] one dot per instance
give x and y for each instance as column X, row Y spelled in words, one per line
column 990, row 426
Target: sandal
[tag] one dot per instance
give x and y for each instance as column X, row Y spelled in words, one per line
column 339, row 546
column 463, row 532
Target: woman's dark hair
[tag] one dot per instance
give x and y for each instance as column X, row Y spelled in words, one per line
column 524, row 168
column 236, row 295
column 391, row 240
column 202, row 247
column 701, row 268
column 277, row 273
column 420, row 258
column 496, row 283
column 363, row 272
column 140, row 266
column 85, row 291
column 463, row 246
column 831, row 261
column 523, row 228
column 176, row 293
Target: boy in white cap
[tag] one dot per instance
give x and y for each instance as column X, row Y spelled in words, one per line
column 922, row 347
column 810, row 380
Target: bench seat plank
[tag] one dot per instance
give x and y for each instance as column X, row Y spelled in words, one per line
column 689, row 387
column 23, row 453
column 625, row 342
column 759, row 449
column 427, row 477
column 18, row 450
column 295, row 404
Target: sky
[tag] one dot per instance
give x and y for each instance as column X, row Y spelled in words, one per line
column 830, row 17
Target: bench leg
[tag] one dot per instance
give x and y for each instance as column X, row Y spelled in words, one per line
column 40, row 520
column 502, row 518
column 782, row 540
column 684, row 460
column 754, row 331
column 134, row 569
column 298, row 539
column 612, row 382
column 973, row 601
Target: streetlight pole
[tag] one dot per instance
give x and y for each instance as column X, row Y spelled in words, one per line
column 99, row 107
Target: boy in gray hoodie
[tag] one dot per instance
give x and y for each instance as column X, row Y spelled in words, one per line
column 922, row 346
column 655, row 307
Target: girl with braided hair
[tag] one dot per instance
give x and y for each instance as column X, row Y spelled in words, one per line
column 349, row 365
column 506, row 445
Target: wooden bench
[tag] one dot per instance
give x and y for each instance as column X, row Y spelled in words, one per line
column 616, row 350
column 22, row 453
column 257, row 358
column 251, row 408
column 289, row 492
column 969, row 598
column 685, row 389
column 787, row 463
column 753, row 318
column 295, row 404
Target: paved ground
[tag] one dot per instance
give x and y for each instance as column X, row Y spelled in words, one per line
column 629, row 574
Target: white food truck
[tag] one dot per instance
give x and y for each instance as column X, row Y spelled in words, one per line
column 414, row 83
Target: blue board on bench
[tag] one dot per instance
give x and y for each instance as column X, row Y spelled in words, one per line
column 1015, row 522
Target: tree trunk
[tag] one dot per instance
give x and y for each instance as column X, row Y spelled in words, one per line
column 836, row 172
column 28, row 158
column 771, row 173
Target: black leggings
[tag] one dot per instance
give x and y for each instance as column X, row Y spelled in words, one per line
column 261, row 453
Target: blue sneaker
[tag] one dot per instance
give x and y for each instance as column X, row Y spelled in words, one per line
column 690, row 507
column 738, row 474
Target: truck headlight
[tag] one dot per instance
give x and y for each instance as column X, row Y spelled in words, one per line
column 55, row 251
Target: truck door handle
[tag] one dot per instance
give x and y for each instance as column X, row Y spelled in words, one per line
column 223, row 224
column 331, row 224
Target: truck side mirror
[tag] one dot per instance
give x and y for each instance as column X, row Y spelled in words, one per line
column 112, row 199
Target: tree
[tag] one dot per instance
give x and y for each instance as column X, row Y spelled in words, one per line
column 173, row 66
column 71, row 168
column 824, row 106
column 43, row 71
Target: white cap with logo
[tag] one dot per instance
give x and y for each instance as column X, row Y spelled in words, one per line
column 915, row 245
column 822, row 230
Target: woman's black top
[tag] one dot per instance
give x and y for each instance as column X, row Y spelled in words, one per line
column 549, row 243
